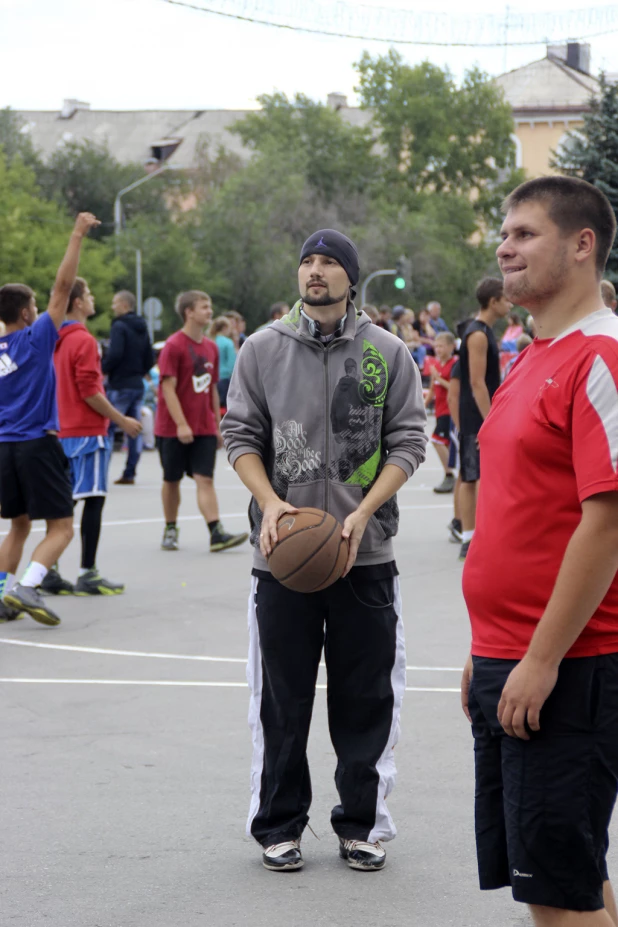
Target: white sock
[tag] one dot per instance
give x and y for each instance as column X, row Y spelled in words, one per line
column 467, row 535
column 11, row 581
column 34, row 575
column 83, row 571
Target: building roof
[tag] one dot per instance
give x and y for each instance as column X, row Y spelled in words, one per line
column 547, row 87
column 132, row 135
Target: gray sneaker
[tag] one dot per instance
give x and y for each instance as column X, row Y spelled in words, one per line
column 447, row 484
column 9, row 614
column 27, row 599
column 170, row 538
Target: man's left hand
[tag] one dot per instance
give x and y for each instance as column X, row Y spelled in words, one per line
column 353, row 529
column 525, row 692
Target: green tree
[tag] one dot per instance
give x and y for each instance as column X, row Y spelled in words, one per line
column 83, row 175
column 435, row 135
column 592, row 153
column 15, row 140
column 334, row 157
column 34, row 234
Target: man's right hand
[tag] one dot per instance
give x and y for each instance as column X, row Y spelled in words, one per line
column 272, row 512
column 131, row 426
column 84, row 222
column 185, row 435
column 466, row 679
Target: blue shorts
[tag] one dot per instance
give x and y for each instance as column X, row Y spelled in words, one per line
column 89, row 461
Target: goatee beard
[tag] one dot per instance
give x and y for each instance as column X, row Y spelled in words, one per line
column 325, row 300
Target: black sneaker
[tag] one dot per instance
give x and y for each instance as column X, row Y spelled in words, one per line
column 456, row 529
column 27, row 599
column 170, row 538
column 283, row 857
column 9, row 614
column 359, row 854
column 447, row 484
column 222, row 541
column 54, row 584
column 463, row 551
column 92, row 583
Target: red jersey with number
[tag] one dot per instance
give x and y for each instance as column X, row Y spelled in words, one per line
column 196, row 368
column 549, row 443
column 440, row 393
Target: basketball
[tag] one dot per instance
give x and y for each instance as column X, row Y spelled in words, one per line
column 310, row 554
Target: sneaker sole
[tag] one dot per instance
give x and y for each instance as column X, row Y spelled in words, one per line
column 56, row 591
column 287, row 867
column 100, row 590
column 215, row 548
column 362, row 867
column 443, row 492
column 168, row 548
column 39, row 614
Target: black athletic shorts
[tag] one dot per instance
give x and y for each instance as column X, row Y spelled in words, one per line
column 35, row 479
column 469, row 459
column 543, row 805
column 195, row 458
column 442, row 431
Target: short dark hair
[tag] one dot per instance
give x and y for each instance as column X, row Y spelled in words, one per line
column 488, row 289
column 77, row 292
column 608, row 292
column 571, row 204
column 13, row 298
column 188, row 300
column 127, row 297
column 277, row 309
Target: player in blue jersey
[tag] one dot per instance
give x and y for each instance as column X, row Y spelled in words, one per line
column 34, row 471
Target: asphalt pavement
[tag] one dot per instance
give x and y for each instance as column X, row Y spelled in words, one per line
column 126, row 751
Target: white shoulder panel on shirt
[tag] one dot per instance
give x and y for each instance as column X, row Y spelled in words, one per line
column 601, row 322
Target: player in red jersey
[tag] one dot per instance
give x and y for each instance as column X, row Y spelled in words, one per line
column 541, row 685
column 438, row 393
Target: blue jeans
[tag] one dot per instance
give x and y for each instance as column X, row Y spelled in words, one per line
column 419, row 354
column 129, row 402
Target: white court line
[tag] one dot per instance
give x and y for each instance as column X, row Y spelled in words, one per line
column 182, row 656
column 169, row 682
column 159, row 521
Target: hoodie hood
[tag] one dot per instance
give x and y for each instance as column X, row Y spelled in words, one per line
column 70, row 330
column 134, row 321
column 295, row 325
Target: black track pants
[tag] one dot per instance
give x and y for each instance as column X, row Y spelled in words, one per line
column 359, row 624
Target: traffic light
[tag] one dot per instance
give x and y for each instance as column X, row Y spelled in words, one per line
column 403, row 273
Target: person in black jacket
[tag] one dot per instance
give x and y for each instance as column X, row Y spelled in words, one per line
column 127, row 361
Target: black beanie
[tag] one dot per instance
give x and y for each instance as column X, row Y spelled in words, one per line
column 337, row 246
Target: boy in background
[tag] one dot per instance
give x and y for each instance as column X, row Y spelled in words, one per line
column 438, row 393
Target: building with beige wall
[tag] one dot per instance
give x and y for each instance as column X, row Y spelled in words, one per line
column 549, row 99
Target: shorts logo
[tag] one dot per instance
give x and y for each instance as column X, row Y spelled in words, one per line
column 6, row 365
column 4, row 346
column 522, row 875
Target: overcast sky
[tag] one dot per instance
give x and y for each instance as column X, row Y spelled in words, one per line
column 146, row 54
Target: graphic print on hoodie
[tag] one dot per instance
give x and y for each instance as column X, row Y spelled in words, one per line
column 326, row 418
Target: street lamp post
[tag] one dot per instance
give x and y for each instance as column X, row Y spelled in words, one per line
column 118, row 224
column 367, row 281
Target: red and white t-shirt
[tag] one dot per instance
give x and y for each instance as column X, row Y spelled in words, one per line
column 549, row 442
column 196, row 368
column 440, row 392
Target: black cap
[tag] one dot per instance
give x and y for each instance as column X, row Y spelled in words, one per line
column 336, row 245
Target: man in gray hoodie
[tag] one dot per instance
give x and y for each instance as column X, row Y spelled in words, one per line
column 325, row 410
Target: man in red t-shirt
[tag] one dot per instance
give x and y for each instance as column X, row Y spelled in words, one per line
column 444, row 346
column 188, row 419
column 541, row 685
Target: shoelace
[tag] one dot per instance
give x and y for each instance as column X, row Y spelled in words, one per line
column 282, row 848
column 364, row 846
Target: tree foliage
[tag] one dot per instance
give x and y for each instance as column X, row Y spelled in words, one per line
column 591, row 153
column 35, row 232
column 435, row 135
column 336, row 158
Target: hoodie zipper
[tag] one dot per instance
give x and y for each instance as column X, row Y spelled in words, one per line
column 327, row 422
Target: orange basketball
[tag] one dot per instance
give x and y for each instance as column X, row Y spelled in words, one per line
column 310, row 554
